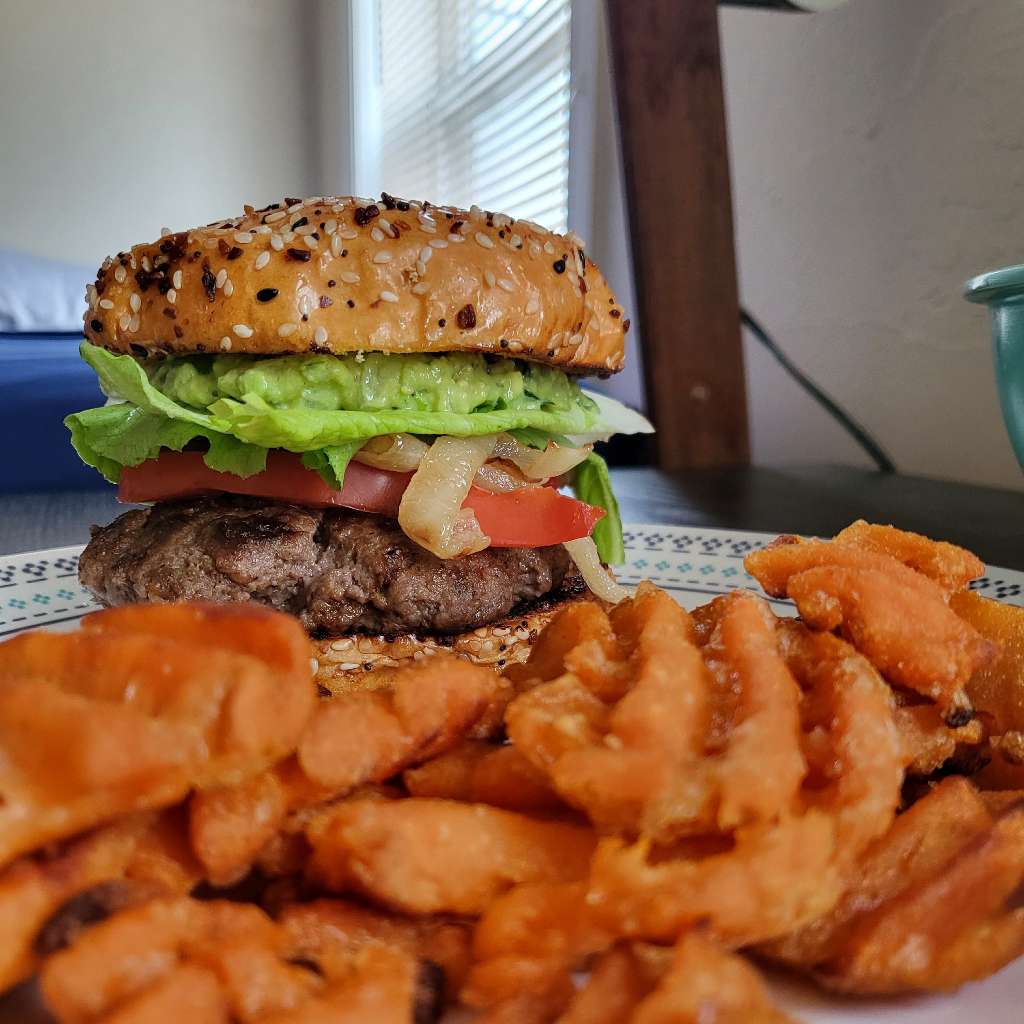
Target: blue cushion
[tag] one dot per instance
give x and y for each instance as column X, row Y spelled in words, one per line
column 42, row 379
column 38, row 294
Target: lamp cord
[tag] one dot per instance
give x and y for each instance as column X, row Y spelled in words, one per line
column 874, row 450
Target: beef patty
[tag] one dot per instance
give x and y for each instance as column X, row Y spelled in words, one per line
column 339, row 571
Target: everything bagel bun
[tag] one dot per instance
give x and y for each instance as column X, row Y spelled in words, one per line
column 342, row 274
column 359, row 662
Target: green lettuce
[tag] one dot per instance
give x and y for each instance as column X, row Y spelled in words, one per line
column 593, row 485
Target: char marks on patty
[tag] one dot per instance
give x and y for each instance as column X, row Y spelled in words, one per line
column 338, row 570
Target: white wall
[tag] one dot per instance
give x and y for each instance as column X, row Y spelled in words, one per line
column 118, row 117
column 878, row 162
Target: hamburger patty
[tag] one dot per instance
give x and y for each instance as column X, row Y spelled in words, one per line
column 339, row 571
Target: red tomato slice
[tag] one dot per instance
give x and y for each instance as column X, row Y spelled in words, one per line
column 531, row 517
column 527, row 518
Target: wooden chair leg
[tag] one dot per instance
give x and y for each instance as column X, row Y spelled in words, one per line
column 671, row 111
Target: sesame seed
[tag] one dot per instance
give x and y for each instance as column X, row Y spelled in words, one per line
column 506, row 285
column 336, row 244
column 312, row 242
column 320, row 335
column 164, row 232
column 295, row 206
column 172, row 296
column 425, row 253
column 222, row 276
column 123, row 321
column 428, row 225
column 288, row 236
column 106, row 304
column 276, row 242
column 348, row 277
column 388, row 297
column 285, row 329
column 385, row 225
column 120, row 275
column 225, row 343
column 489, row 278
column 534, row 248
column 242, row 330
column 533, row 306
column 147, row 264
column 243, row 237
column 515, row 241
column 305, row 303
column 348, row 233
column 176, row 280
column 483, row 240
column 438, row 243
column 549, row 248
column 330, row 227
column 452, row 237
column 229, row 289
column 135, row 302
column 502, row 220
column 273, row 218
column 382, row 257
column 262, row 260
column 475, row 211
column 421, row 267
column 266, row 294
column 420, row 288
column 262, row 230
column 376, row 234
column 134, row 323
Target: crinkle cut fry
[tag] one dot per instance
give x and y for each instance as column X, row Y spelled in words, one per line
column 950, row 566
column 104, row 722
column 338, row 926
column 529, row 940
column 166, row 954
column 475, row 771
column 913, row 641
column 775, row 879
column 425, row 856
column 957, row 926
column 365, row 736
column 997, row 689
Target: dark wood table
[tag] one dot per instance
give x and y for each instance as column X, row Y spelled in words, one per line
column 809, row 500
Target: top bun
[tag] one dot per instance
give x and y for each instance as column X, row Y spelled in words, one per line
column 340, row 274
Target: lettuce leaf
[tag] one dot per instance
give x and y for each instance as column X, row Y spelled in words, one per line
column 593, row 485
column 332, row 462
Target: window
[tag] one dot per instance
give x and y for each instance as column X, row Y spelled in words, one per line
column 466, row 101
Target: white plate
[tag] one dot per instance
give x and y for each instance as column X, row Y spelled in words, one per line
column 41, row 588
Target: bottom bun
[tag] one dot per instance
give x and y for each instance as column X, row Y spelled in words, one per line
column 360, row 662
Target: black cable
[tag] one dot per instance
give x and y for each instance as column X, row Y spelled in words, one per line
column 843, row 418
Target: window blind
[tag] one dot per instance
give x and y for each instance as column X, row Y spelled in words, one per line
column 473, row 104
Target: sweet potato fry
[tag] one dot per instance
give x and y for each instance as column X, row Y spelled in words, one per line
column 706, row 983
column 920, row 939
column 929, row 743
column 370, row 736
column 336, row 925
column 617, row 984
column 950, row 566
column 997, row 689
column 774, row 880
column 913, row 640
column 485, row 773
column 435, row 856
column 104, row 722
column 226, row 961
column 529, row 940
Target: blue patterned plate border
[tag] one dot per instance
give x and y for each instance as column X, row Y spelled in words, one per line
column 41, row 588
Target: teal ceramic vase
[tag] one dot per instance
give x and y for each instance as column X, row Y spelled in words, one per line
column 1003, row 292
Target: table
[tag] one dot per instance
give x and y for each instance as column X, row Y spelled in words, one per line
column 809, row 500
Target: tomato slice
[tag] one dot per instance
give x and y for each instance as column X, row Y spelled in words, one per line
column 526, row 518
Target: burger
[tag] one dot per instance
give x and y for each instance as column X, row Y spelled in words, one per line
column 363, row 413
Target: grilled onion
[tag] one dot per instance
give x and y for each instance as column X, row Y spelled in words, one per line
column 397, row 452
column 584, row 553
column 540, row 465
column 431, row 511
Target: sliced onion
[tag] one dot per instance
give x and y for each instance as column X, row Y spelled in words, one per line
column 595, row 575
column 498, row 476
column 397, row 452
column 431, row 511
column 540, row 465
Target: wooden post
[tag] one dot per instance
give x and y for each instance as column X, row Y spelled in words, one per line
column 671, row 111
